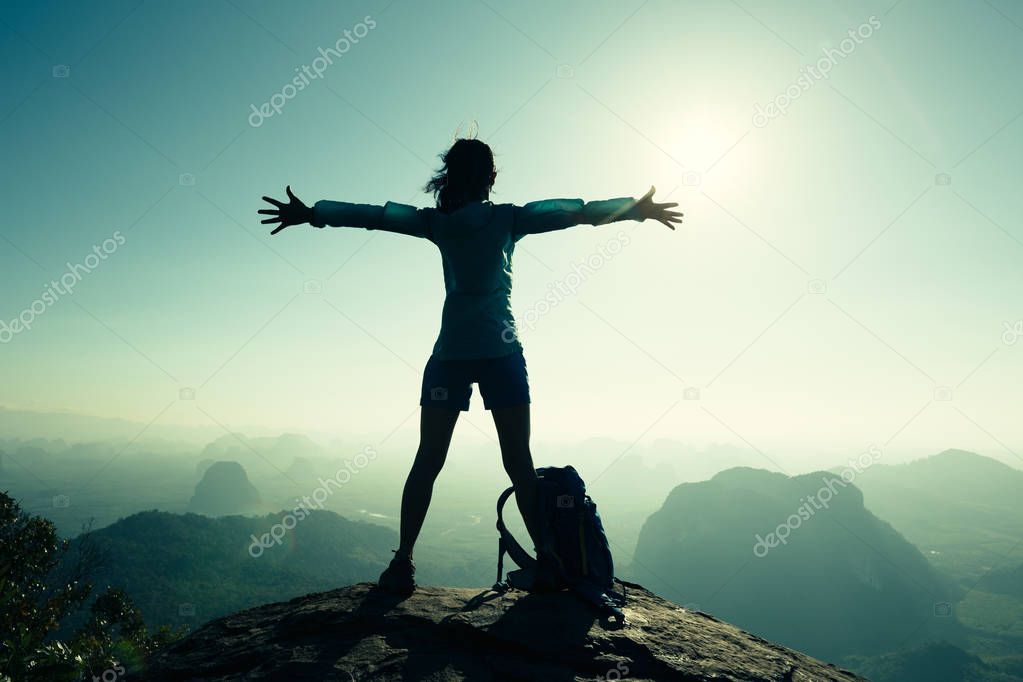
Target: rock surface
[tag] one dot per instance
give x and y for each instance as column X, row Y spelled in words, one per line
column 359, row 633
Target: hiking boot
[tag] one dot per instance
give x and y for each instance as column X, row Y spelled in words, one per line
column 399, row 577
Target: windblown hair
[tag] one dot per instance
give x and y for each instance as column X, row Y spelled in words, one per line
column 467, row 175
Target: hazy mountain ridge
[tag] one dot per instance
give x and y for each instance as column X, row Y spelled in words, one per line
column 964, row 510
column 845, row 580
column 1004, row 580
column 188, row 568
column 956, row 475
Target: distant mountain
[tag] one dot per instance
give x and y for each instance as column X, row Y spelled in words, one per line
column 302, row 469
column 187, row 569
column 202, row 466
column 73, row 426
column 283, row 447
column 935, row 662
column 963, row 510
column 797, row 560
column 225, row 489
column 270, row 455
column 1005, row 580
column 956, row 475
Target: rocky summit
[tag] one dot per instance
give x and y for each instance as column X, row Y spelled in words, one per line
column 441, row 633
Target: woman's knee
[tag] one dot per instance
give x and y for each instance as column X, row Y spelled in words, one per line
column 429, row 462
column 520, row 469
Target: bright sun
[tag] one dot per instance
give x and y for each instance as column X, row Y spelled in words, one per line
column 700, row 139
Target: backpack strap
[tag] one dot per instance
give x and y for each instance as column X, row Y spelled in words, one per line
column 507, row 542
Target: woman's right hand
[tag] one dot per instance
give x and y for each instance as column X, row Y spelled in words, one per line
column 646, row 207
column 292, row 213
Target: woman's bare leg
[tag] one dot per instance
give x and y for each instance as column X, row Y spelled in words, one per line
column 435, row 428
column 513, row 433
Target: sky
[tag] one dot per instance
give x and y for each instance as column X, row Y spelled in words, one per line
column 848, row 273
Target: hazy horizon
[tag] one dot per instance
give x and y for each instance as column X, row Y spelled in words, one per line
column 186, row 441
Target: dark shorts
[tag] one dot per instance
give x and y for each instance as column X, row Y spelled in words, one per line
column 503, row 382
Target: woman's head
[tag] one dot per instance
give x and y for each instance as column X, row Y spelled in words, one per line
column 467, row 175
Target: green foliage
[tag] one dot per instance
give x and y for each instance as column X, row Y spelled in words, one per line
column 40, row 588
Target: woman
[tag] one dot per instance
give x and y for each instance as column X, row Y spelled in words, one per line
column 477, row 341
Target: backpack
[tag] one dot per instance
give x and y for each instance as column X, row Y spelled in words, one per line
column 578, row 555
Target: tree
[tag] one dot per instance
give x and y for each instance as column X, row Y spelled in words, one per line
column 42, row 585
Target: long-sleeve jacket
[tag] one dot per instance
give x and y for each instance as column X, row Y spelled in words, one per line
column 476, row 243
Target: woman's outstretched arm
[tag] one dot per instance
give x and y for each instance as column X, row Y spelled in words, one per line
column 391, row 217
column 558, row 214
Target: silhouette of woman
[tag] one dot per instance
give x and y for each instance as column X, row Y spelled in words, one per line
column 477, row 342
